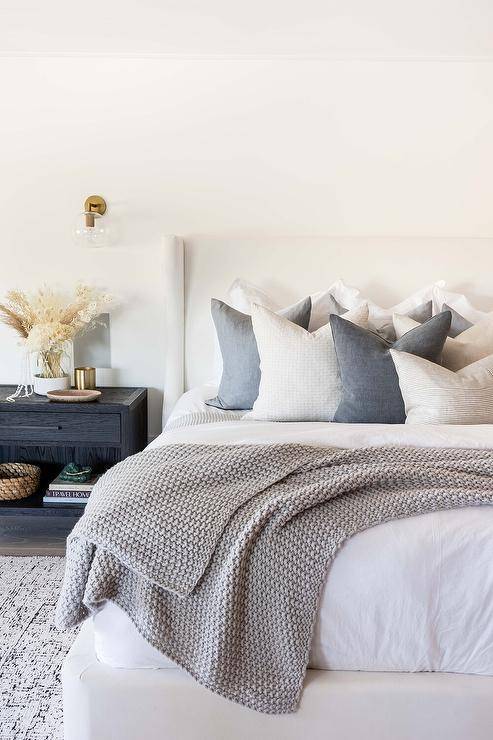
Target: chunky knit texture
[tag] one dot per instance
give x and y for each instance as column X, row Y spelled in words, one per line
column 219, row 553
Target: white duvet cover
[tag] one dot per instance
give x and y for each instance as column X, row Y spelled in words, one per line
column 409, row 595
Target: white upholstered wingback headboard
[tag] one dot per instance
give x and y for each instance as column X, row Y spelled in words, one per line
column 198, row 268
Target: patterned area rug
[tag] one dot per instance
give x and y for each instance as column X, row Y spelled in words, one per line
column 31, row 649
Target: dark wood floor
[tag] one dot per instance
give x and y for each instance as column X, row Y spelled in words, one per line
column 24, row 536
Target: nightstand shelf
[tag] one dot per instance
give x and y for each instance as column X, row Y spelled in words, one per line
column 39, row 431
column 34, row 506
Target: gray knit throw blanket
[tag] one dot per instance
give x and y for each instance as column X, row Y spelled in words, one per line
column 218, row 554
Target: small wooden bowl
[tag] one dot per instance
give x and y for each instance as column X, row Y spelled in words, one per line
column 73, row 396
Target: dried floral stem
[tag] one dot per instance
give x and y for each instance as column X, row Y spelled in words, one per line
column 10, row 318
column 51, row 364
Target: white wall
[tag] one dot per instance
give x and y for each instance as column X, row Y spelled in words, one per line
column 319, row 147
column 329, row 28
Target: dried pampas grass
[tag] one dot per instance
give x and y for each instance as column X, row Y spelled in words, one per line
column 45, row 320
column 12, row 319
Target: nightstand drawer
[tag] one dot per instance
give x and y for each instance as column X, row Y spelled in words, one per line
column 30, row 427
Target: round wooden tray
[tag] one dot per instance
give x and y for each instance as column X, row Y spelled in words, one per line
column 73, row 396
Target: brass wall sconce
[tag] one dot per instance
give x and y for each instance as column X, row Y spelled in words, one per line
column 89, row 231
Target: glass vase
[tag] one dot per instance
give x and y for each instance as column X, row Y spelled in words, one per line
column 50, row 364
column 53, row 371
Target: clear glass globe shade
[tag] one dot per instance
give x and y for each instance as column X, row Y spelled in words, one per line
column 90, row 230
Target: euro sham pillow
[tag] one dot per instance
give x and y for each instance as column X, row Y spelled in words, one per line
column 458, row 302
column 240, row 378
column 467, row 347
column 417, row 304
column 370, row 386
column 337, row 298
column 434, row 395
column 299, row 372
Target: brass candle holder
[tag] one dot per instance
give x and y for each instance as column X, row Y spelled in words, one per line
column 85, row 378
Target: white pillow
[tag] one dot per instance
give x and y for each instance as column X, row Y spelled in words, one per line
column 471, row 345
column 458, row 302
column 382, row 317
column 300, row 378
column 434, row 395
column 242, row 295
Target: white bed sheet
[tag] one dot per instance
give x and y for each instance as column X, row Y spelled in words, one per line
column 409, row 595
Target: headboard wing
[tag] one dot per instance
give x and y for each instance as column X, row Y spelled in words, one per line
column 174, row 308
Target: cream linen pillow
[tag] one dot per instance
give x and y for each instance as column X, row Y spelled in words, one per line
column 300, row 378
column 471, row 345
column 434, row 395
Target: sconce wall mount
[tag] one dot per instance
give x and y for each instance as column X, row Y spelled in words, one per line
column 95, row 204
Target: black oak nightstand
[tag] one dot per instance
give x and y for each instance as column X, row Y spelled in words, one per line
column 39, row 431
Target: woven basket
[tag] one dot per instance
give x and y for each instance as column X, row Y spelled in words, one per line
column 18, row 480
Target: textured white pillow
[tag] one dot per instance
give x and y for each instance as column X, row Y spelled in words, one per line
column 434, row 395
column 472, row 345
column 300, row 378
column 458, row 302
column 242, row 295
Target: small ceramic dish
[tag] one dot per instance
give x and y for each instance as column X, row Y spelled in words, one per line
column 73, row 396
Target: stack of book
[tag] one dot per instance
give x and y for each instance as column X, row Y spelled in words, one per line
column 64, row 492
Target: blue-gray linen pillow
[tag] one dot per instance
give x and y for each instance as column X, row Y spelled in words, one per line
column 370, row 385
column 240, row 379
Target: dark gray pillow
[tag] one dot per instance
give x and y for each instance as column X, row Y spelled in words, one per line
column 241, row 362
column 370, row 385
column 459, row 323
column 421, row 313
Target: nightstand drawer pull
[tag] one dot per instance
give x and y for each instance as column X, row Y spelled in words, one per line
column 37, row 426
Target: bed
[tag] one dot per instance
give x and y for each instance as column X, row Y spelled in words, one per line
column 403, row 642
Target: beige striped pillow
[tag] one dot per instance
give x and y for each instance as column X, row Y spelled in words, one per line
column 434, row 395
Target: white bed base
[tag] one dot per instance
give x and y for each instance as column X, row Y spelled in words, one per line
column 102, row 703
